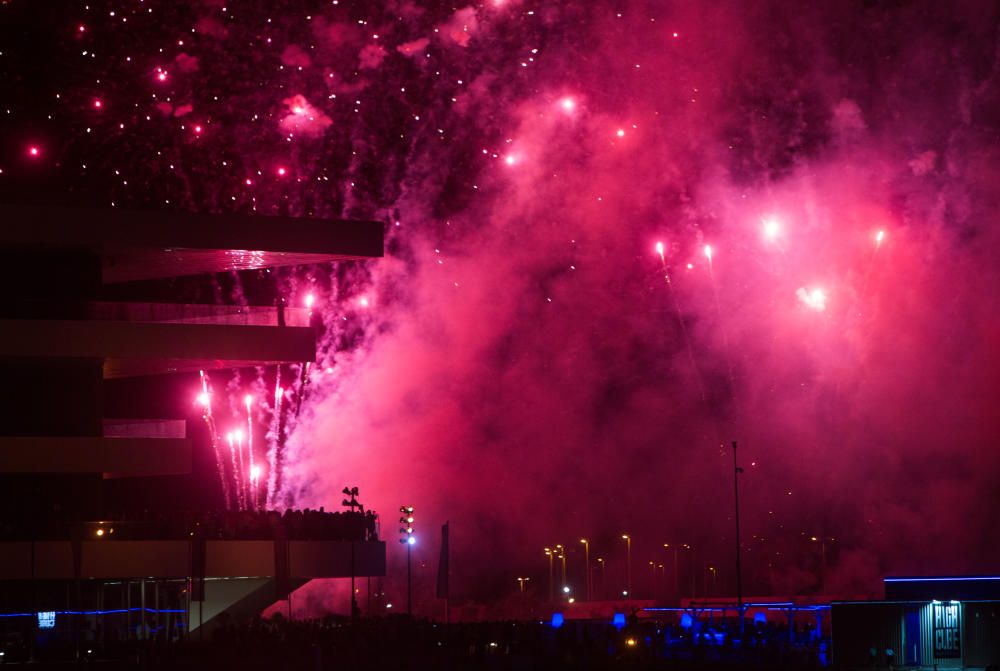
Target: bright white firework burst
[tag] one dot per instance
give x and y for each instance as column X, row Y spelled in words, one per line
column 814, row 299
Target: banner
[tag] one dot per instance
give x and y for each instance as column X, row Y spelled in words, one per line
column 947, row 632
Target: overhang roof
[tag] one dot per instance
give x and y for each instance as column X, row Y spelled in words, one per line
column 138, row 245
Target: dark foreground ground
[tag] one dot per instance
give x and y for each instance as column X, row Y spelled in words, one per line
column 404, row 644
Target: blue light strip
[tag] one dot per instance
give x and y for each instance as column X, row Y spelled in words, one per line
column 965, row 578
column 780, row 605
column 117, row 610
column 687, row 610
column 99, row 612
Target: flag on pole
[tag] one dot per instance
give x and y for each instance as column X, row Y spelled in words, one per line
column 442, row 581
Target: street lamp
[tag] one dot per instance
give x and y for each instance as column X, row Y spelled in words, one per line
column 550, row 554
column 676, row 547
column 408, row 540
column 586, row 559
column 521, row 581
column 652, row 571
column 562, row 558
column 739, row 572
column 628, row 565
column 600, row 561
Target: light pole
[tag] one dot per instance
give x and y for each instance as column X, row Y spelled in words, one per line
column 353, row 504
column 693, row 573
column 562, row 558
column 822, row 549
column 652, row 571
column 586, row 559
column 677, row 589
column 550, row 555
column 739, row 573
column 600, row 560
column 408, row 539
column 520, row 583
column 628, row 566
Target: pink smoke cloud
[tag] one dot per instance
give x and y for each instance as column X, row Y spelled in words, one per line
column 303, row 118
column 527, row 371
column 371, row 56
column 460, row 28
column 295, row 57
column 186, row 63
column 414, row 48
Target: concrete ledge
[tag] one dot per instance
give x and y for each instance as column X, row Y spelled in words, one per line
column 117, row 457
column 109, row 559
column 147, row 348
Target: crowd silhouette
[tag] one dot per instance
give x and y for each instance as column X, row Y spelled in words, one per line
column 305, row 524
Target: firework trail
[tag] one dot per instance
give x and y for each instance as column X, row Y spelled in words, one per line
column 680, row 321
column 205, row 399
column 242, row 475
column 303, row 381
column 273, row 479
column 722, row 328
column 236, row 470
column 255, row 486
column 253, row 468
column 879, row 237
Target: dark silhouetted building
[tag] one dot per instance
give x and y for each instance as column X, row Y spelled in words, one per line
column 105, row 487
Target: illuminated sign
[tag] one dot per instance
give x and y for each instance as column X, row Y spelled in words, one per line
column 947, row 636
column 47, row 619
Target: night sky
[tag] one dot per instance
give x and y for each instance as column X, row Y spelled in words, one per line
column 526, row 362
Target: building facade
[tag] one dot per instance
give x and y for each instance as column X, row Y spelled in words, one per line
column 924, row 622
